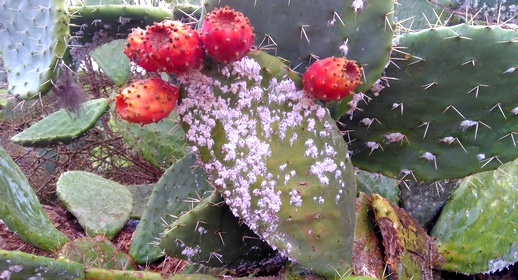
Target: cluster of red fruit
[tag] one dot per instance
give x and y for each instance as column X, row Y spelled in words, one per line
column 174, row 47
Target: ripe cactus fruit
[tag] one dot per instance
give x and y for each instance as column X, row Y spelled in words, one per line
column 173, row 46
column 146, row 101
column 226, row 35
column 331, row 78
column 135, row 50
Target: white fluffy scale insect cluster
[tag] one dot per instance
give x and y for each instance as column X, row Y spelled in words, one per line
column 250, row 124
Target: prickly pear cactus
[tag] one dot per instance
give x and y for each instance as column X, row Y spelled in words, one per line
column 35, row 35
column 20, row 265
column 476, row 229
column 62, row 127
column 100, row 205
column 21, row 211
column 276, row 156
column 112, row 61
column 409, row 252
column 97, row 252
column 428, row 125
column 211, row 235
column 181, row 187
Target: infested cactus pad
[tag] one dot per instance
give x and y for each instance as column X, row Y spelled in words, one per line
column 276, row 156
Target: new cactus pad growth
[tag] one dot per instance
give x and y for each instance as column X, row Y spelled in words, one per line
column 146, row 101
column 226, row 35
column 331, row 78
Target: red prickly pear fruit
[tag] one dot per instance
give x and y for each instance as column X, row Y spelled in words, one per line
column 146, row 101
column 173, row 46
column 135, row 50
column 331, row 78
column 226, row 35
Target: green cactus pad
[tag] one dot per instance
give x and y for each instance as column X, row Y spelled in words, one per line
column 97, row 252
column 211, row 235
column 101, row 206
column 368, row 251
column 450, row 113
column 61, row 127
column 304, row 28
column 370, row 183
column 141, row 194
column 476, row 227
column 21, row 211
column 35, row 36
column 409, row 252
column 19, row 265
column 113, row 62
column 424, row 200
column 161, row 144
column 276, row 156
column 180, row 188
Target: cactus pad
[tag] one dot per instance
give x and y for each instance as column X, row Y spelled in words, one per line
column 449, row 113
column 178, row 190
column 19, row 265
column 211, row 235
column 112, row 61
column 476, row 227
column 141, row 194
column 101, row 206
column 21, row 211
column 97, row 252
column 409, row 252
column 277, row 157
column 35, row 36
column 161, row 144
column 61, row 127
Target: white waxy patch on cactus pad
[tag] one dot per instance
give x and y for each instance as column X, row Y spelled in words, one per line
column 394, row 137
column 295, row 198
column 467, row 123
column 447, row 140
column 244, row 169
column 357, row 5
column 344, row 48
column 190, row 252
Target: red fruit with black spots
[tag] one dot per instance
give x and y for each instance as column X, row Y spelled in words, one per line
column 226, row 35
column 173, row 46
column 135, row 50
column 331, row 78
column 146, row 101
